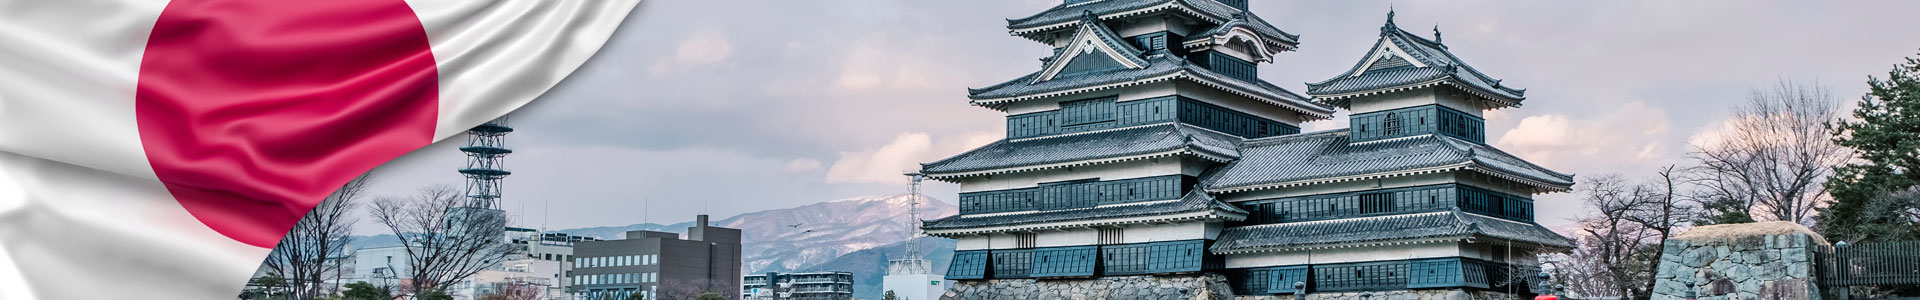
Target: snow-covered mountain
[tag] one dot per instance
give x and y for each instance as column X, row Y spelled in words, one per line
column 794, row 238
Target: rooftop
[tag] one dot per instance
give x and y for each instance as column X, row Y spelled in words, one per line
column 1327, row 156
column 1195, row 205
column 1159, row 68
column 1439, row 226
column 1401, row 60
column 1066, row 150
column 1068, row 14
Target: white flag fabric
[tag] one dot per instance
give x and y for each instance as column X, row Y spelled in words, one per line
column 154, row 149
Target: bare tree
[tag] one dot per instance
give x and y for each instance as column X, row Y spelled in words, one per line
column 1620, row 244
column 689, row 289
column 517, row 289
column 315, row 245
column 445, row 242
column 1775, row 153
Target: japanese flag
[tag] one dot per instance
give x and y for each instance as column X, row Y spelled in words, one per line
column 154, row 149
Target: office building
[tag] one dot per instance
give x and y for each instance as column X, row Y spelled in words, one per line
column 659, row 265
column 798, row 286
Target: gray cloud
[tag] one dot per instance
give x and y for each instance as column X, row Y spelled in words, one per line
column 738, row 106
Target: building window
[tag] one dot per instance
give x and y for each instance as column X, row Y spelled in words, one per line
column 1111, row 236
column 1391, row 124
column 1024, row 240
column 1376, row 203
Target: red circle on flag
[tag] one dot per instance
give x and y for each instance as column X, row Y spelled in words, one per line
column 253, row 111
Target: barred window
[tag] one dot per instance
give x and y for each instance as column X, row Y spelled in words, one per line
column 1110, row 236
column 1376, row 203
column 1391, row 124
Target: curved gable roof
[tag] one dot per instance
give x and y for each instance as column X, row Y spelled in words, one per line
column 1066, row 14
column 1427, row 63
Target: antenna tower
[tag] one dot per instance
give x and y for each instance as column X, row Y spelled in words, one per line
column 912, row 264
column 913, row 216
column 486, row 146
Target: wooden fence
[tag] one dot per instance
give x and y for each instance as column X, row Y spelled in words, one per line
column 1877, row 263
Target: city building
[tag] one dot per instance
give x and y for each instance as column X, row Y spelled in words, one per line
column 657, row 264
column 381, row 266
column 913, row 279
column 1147, row 147
column 798, row 286
column 531, row 245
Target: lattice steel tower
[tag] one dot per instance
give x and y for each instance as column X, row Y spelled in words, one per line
column 912, row 264
column 486, row 146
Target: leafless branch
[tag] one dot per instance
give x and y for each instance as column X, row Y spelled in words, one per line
column 445, row 242
column 314, row 247
column 1775, row 153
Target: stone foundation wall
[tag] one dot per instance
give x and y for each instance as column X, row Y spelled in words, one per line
column 1174, row 287
column 1424, row 294
column 1770, row 260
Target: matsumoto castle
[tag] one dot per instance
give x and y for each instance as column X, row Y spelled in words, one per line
column 1147, row 151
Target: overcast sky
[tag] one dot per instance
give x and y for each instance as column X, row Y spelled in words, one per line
column 727, row 107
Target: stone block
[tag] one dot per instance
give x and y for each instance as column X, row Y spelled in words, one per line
column 1799, row 270
column 1697, row 258
column 1795, row 255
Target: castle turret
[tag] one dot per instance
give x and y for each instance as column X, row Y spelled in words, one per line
column 1409, row 85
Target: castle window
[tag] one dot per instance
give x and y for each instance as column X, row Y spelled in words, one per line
column 1391, row 124
column 1112, row 236
column 1376, row 203
column 1024, row 240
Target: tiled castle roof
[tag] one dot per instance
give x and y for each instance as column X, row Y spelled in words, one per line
column 1067, row 14
column 1442, row 225
column 1327, row 156
column 1195, row 205
column 1159, row 67
column 1165, row 139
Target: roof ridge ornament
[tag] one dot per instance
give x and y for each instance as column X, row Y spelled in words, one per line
column 1389, row 27
column 1436, row 36
column 1088, row 17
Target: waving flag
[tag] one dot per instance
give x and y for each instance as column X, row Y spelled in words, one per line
column 155, row 149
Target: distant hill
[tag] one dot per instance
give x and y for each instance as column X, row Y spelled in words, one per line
column 869, row 266
column 790, row 239
column 618, row 232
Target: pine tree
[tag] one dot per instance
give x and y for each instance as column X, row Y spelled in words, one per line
column 1886, row 136
column 366, row 291
column 435, row 294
